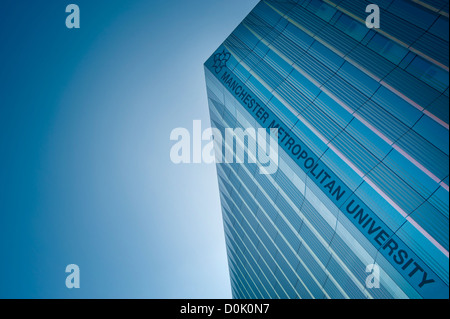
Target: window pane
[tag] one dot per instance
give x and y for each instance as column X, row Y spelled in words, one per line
column 321, row 9
column 351, row 27
column 429, row 73
column 387, row 48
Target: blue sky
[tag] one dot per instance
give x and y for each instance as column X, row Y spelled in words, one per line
column 85, row 174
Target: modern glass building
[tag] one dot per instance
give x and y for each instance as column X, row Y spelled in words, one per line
column 363, row 173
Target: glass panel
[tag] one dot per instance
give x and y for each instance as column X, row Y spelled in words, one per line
column 259, row 90
column 429, row 73
column 440, row 201
column 411, row 174
column 358, row 79
column 342, row 170
column 368, row 138
column 352, row 27
column 280, row 65
column 433, row 132
column 326, row 56
column 387, row 48
column 333, row 109
column 440, row 28
column 321, row 9
column 413, row 13
column 299, row 37
column 401, row 109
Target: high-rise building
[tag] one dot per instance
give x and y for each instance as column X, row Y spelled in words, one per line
column 359, row 205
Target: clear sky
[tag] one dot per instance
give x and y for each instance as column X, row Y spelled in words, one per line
column 85, row 170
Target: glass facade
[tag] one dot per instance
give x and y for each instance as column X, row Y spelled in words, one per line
column 362, row 179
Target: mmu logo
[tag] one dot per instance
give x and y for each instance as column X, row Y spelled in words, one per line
column 220, row 61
